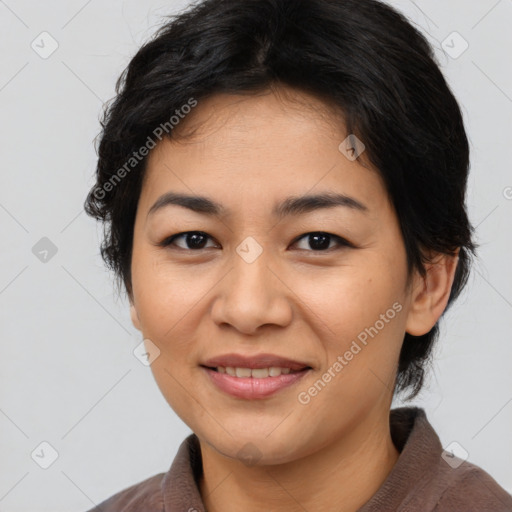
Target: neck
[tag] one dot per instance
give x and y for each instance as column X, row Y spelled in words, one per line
column 343, row 476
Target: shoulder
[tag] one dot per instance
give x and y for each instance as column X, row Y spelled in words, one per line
column 472, row 489
column 145, row 495
column 426, row 477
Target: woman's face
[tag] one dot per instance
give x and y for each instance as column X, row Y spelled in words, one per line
column 253, row 282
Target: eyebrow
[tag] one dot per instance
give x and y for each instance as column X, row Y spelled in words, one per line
column 294, row 205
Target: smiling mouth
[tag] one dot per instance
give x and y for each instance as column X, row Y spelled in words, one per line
column 254, row 383
column 255, row 373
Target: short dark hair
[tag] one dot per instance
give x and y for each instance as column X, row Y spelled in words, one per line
column 360, row 56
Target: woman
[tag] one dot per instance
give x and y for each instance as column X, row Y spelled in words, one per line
column 283, row 186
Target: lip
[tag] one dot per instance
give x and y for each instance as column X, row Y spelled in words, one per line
column 257, row 361
column 251, row 388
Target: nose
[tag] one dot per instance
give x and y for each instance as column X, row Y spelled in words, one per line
column 252, row 295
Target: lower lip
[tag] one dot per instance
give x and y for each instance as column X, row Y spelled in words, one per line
column 251, row 388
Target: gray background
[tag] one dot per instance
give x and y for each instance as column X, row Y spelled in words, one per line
column 68, row 375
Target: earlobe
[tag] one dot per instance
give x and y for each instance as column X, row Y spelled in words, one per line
column 135, row 317
column 431, row 293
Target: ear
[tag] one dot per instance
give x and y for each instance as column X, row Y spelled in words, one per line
column 431, row 293
column 135, row 317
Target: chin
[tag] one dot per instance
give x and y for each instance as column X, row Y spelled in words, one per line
column 257, row 447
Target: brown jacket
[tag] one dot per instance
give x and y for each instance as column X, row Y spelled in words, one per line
column 424, row 478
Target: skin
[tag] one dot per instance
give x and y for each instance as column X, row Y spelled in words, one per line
column 247, row 153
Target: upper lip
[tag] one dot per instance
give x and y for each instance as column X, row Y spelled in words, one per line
column 257, row 361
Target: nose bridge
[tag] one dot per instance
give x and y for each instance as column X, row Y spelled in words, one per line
column 250, row 274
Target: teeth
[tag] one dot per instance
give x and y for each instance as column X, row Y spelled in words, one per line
column 260, row 373
column 243, row 372
column 257, row 373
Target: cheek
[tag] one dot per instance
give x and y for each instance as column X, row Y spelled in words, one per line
column 349, row 299
column 168, row 309
column 362, row 334
column 165, row 294
column 361, row 320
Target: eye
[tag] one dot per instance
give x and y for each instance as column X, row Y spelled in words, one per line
column 320, row 241
column 193, row 240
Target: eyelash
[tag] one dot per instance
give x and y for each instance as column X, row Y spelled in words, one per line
column 342, row 242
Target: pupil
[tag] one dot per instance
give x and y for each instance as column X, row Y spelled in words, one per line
column 196, row 240
column 316, row 237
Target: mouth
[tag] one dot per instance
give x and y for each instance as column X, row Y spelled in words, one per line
column 233, row 363
column 242, row 372
column 254, row 383
column 254, row 377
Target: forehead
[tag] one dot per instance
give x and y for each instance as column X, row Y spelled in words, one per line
column 277, row 101
column 245, row 149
